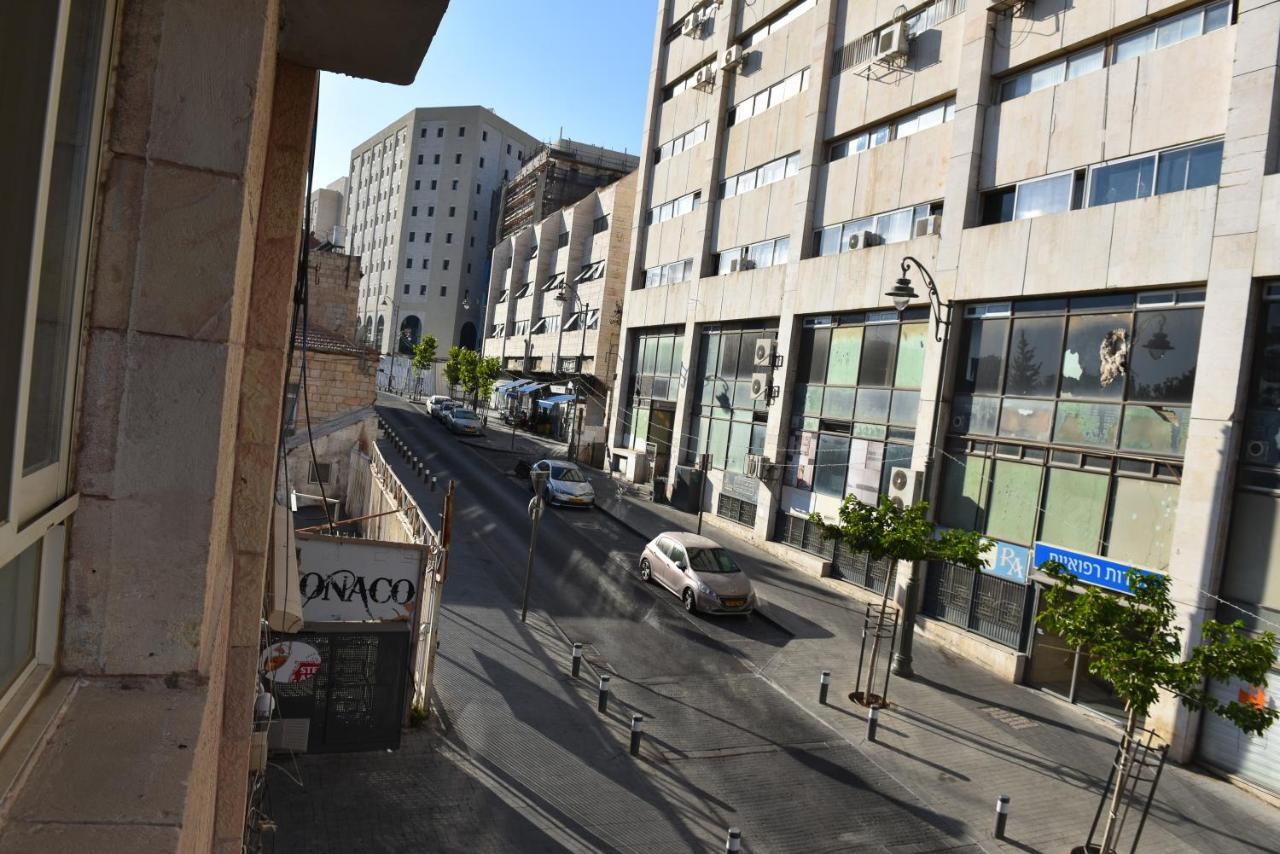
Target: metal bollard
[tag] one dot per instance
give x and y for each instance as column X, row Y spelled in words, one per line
column 603, row 702
column 636, row 722
column 433, row 483
column 577, row 658
column 1002, row 815
column 824, row 684
column 873, row 717
column 734, row 843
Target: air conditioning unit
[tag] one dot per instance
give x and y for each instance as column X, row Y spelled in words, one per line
column 733, row 57
column 905, row 486
column 927, row 225
column 692, row 26
column 705, row 78
column 863, row 239
column 735, row 265
column 765, row 348
column 1255, row 451
column 891, row 43
column 755, row 465
column 760, row 386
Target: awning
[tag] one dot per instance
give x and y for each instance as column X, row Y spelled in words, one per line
column 548, row 402
column 524, row 387
column 506, row 384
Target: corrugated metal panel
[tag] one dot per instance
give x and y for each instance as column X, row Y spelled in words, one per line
column 1255, row 759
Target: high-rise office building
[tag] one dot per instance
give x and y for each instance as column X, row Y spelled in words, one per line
column 422, row 196
column 1093, row 189
column 555, row 176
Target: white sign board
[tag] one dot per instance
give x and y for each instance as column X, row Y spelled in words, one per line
column 344, row 579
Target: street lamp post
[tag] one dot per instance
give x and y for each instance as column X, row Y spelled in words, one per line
column 585, row 315
column 902, row 294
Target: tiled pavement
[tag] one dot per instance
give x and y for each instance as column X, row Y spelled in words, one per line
column 956, row 735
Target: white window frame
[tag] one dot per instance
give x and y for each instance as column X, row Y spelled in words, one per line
column 1017, row 189
column 40, row 503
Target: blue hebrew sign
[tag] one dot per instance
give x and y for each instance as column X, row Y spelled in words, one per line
column 1089, row 569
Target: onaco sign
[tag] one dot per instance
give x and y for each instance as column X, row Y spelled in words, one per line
column 344, row 579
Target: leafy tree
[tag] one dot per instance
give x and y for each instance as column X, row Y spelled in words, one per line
column 886, row 530
column 453, row 369
column 1135, row 645
column 424, row 356
column 487, row 371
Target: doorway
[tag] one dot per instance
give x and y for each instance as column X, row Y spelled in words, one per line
column 661, row 424
column 1060, row 669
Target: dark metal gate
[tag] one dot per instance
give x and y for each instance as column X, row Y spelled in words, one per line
column 356, row 699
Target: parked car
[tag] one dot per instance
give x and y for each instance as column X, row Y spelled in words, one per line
column 699, row 571
column 433, row 404
column 462, row 421
column 566, row 484
column 443, row 408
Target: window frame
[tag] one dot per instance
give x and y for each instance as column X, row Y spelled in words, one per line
column 39, row 503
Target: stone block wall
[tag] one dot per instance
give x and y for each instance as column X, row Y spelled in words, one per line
column 339, row 383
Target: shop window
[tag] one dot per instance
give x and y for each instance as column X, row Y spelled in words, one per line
column 1015, row 495
column 1141, row 522
column 1075, row 505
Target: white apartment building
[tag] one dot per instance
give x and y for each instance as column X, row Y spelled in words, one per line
column 420, row 208
column 1093, row 187
column 555, row 303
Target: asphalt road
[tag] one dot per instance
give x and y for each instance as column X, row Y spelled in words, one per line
column 722, row 746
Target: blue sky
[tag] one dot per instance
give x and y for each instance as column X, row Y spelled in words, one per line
column 540, row 64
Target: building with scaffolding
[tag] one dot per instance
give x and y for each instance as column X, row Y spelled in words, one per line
column 555, row 176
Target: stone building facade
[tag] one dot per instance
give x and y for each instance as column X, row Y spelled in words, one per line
column 555, row 300
column 421, row 202
column 1094, row 189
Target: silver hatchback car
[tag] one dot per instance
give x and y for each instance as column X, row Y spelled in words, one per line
column 699, row 571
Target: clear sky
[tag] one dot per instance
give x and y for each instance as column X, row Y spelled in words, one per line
column 540, row 64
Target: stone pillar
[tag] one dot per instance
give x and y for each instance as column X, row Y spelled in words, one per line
column 266, row 341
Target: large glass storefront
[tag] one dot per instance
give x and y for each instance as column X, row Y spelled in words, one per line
column 648, row 410
column 853, row 417
column 725, row 422
column 1068, row 428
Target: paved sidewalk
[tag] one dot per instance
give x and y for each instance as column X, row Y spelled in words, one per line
column 956, row 735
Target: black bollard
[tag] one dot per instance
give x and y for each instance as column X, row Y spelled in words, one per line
column 577, row 658
column 636, row 722
column 873, row 717
column 1002, row 815
column 603, row 702
column 824, row 684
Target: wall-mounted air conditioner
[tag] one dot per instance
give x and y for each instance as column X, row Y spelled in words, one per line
column 733, row 58
column 863, row 239
column 927, row 225
column 892, row 43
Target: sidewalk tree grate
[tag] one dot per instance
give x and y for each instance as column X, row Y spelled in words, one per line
column 1011, row 719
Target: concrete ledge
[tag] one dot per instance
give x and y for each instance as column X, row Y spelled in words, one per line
column 1000, row 660
column 113, row 771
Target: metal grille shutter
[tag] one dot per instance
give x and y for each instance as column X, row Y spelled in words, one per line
column 1255, row 759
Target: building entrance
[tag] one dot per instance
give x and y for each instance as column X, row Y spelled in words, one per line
column 1061, row 669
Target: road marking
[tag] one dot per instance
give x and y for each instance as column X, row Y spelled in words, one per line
column 1011, row 719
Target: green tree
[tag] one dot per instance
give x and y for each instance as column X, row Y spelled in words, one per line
column 1134, row 644
column 453, row 368
column 886, row 530
column 487, row 370
column 424, row 357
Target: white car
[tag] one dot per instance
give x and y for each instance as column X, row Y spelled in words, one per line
column 565, row 483
column 433, row 404
column 699, row 571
